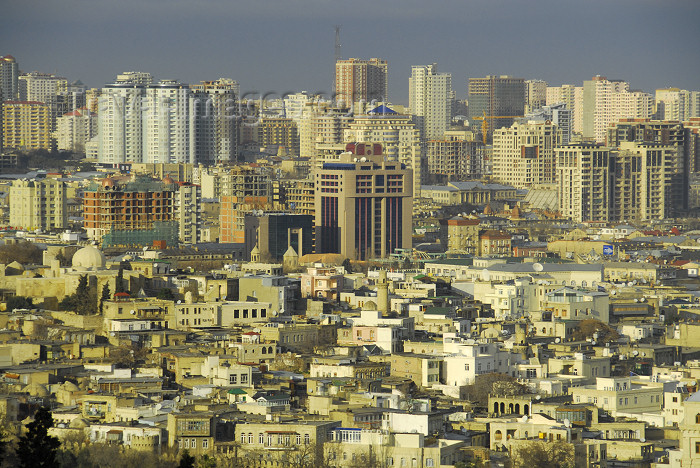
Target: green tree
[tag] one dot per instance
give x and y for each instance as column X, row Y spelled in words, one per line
column 83, row 301
column 119, row 286
column 18, row 302
column 493, row 382
column 105, row 296
column 186, row 460
column 205, row 461
column 347, row 265
column 542, row 454
column 166, row 294
column 37, row 449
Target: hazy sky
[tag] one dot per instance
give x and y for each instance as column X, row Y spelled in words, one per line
column 288, row 45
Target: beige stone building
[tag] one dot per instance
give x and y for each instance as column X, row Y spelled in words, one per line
column 38, row 204
column 523, row 154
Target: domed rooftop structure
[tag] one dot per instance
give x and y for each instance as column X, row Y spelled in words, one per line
column 108, row 182
column 78, row 423
column 168, row 180
column 490, row 333
column 36, row 390
column 89, row 257
column 370, row 305
column 70, row 387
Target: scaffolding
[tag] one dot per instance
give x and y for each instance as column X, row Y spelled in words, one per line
column 161, row 231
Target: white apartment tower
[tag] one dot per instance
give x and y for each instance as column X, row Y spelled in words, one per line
column 606, row 102
column 430, row 100
column 523, row 154
column 120, row 123
column 572, row 96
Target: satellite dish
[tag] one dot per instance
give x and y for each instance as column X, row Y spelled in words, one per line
column 693, row 383
column 538, row 397
column 537, row 267
column 179, row 301
column 158, row 407
column 557, row 340
column 177, row 398
column 642, row 440
column 133, row 312
column 635, row 353
column 524, row 419
column 485, row 274
column 567, row 423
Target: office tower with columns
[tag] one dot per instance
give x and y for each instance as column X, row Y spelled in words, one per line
column 430, row 100
column 364, row 204
column 361, row 80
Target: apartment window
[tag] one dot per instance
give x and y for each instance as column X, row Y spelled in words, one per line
column 233, row 379
column 205, row 444
column 307, row 438
column 697, row 447
column 261, row 438
column 429, row 462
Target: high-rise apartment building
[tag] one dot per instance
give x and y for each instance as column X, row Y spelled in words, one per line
column 626, row 184
column 430, row 100
column 361, row 80
column 120, row 123
column 396, row 133
column 523, row 154
column 454, row 157
column 606, row 102
column 585, row 181
column 214, row 120
column 671, row 133
column 677, row 104
column 9, row 74
column 187, row 211
column 321, row 129
column 280, row 132
column 167, row 114
column 572, row 96
column 26, row 125
column 496, row 96
column 134, row 77
column 364, row 205
column 535, row 95
column 557, row 114
column 74, row 129
column 42, row 87
column 132, row 211
column 242, row 190
column 38, row 204
column 168, row 122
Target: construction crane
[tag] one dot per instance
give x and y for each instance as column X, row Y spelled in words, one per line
column 485, row 125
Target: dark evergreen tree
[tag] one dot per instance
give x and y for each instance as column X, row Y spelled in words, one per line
column 106, row 295
column 18, row 302
column 119, row 287
column 186, row 460
column 37, row 449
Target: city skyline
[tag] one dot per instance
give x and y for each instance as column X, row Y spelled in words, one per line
column 289, row 47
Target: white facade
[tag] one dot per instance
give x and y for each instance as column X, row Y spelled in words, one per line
column 430, row 100
column 75, row 129
column 469, row 360
column 535, row 95
column 120, row 124
column 606, row 102
column 166, row 123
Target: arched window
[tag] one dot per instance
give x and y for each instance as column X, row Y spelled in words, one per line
column 495, row 407
column 697, row 418
column 498, row 435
